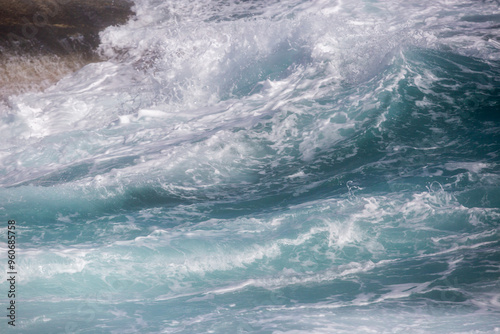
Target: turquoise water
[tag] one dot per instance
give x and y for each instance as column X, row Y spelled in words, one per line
column 263, row 167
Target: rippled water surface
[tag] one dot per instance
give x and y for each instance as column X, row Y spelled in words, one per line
column 263, row 167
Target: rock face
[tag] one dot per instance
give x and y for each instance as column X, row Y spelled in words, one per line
column 41, row 41
column 58, row 26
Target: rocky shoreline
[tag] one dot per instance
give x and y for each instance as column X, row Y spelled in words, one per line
column 58, row 26
column 41, row 41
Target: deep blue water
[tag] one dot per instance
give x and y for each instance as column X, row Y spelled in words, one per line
column 263, row 167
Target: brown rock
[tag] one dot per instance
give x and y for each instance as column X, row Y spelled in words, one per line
column 58, row 25
column 43, row 40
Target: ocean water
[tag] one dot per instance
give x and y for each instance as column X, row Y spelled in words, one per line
column 263, row 167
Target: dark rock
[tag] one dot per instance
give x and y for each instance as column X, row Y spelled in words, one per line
column 58, row 26
column 41, row 41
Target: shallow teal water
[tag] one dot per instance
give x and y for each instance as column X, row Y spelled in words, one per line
column 264, row 167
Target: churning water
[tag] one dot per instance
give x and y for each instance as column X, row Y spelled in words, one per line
column 263, row 167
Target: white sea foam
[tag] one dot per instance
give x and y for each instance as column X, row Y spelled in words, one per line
column 184, row 169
